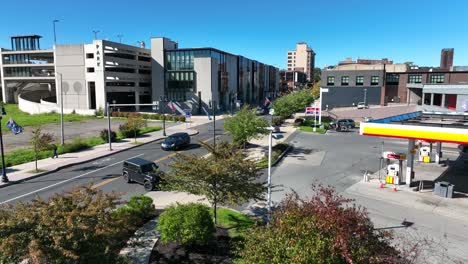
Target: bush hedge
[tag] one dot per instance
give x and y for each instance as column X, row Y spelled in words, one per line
column 187, row 224
column 138, row 210
column 104, row 134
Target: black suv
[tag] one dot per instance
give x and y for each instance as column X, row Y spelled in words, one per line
column 142, row 171
column 342, row 124
column 176, row 141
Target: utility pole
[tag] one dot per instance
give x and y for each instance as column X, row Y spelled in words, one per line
column 95, row 33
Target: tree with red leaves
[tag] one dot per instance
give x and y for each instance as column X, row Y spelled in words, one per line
column 325, row 228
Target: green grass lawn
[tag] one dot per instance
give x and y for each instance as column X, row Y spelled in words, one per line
column 311, row 129
column 21, row 156
column 234, row 221
column 24, row 119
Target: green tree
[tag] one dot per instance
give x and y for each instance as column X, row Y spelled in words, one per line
column 245, row 125
column 322, row 229
column 187, row 224
column 289, row 104
column 316, row 90
column 317, row 75
column 224, row 177
column 73, row 227
column 134, row 123
column 40, row 141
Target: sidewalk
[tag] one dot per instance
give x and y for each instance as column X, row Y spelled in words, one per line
column 24, row 171
column 404, row 196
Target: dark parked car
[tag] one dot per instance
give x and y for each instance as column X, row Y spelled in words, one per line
column 176, row 141
column 142, row 171
column 342, row 124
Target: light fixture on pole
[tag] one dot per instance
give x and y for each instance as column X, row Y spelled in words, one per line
column 120, row 36
column 2, row 113
column 95, row 33
column 55, row 35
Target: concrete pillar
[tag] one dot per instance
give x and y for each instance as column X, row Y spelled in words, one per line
column 422, row 98
column 432, row 99
column 409, row 161
column 137, row 101
column 438, row 154
column 442, row 103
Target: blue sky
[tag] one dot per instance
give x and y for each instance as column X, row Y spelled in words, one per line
column 259, row 29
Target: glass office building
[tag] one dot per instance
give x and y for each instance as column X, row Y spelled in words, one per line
column 239, row 79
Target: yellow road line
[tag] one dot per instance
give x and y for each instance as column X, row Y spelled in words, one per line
column 156, row 161
column 104, row 182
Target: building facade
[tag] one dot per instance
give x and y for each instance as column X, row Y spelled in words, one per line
column 194, row 77
column 88, row 76
column 302, row 59
column 349, row 87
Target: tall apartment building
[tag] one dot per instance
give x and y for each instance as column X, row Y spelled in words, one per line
column 302, row 59
column 91, row 75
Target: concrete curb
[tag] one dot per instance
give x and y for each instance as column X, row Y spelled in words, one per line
column 290, row 146
column 140, row 246
column 84, row 161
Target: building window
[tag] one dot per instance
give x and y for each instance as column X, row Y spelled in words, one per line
column 90, row 69
column 374, row 80
column 89, row 55
column 344, row 80
column 437, row 78
column 393, row 79
column 359, row 80
column 415, row 79
column 331, row 80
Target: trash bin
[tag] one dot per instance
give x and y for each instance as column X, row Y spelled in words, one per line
column 444, row 189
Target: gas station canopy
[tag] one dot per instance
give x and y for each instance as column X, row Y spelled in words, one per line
column 428, row 126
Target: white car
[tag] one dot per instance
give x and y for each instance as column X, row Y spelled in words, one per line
column 368, row 119
column 362, row 105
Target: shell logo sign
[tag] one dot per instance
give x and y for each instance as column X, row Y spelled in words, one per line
column 427, row 133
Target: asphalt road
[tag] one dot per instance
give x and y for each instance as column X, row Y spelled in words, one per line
column 105, row 173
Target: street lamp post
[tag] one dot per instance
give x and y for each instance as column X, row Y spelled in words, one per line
column 95, row 33
column 55, row 35
column 163, row 99
column 365, row 96
column 212, row 105
column 2, row 113
column 120, row 36
column 269, row 175
column 62, row 133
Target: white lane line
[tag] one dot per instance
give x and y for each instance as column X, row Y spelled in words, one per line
column 64, row 181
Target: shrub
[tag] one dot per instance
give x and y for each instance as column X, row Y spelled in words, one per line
column 137, row 211
column 187, row 224
column 277, row 121
column 99, row 112
column 126, row 132
column 325, row 228
column 298, row 122
column 181, row 118
column 73, row 227
column 104, row 134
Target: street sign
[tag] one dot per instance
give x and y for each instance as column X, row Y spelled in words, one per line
column 188, row 113
column 272, row 111
column 393, row 155
column 155, row 105
column 324, row 90
column 312, row 110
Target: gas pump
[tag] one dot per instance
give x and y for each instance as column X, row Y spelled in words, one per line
column 394, row 171
column 425, row 154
